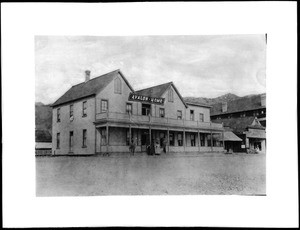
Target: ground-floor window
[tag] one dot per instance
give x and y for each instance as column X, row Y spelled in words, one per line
column 171, row 139
column 58, row 140
column 103, row 136
column 209, row 140
column 202, row 139
column 193, row 142
column 179, row 139
column 71, row 141
column 84, row 138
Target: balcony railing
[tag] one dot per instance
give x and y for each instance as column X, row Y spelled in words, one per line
column 140, row 119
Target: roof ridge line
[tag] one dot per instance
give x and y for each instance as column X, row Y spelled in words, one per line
column 117, row 70
column 155, row 86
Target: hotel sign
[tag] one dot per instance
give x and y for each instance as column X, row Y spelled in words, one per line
column 141, row 98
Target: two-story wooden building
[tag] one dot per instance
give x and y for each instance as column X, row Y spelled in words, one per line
column 104, row 113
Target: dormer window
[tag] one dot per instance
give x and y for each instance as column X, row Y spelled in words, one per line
column 118, row 86
column 170, row 95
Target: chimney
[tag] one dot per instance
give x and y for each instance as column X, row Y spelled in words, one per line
column 263, row 99
column 224, row 107
column 87, row 75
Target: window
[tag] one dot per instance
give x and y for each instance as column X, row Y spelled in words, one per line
column 118, row 86
column 84, row 138
column 208, row 140
column 58, row 140
column 71, row 113
column 129, row 108
column 193, row 142
column 84, row 112
column 161, row 112
column 192, row 115
column 71, row 141
column 179, row 137
column 146, row 109
column 202, row 139
column 201, row 117
column 104, row 106
column 58, row 115
column 103, row 136
column 171, row 139
column 179, row 114
column 170, row 95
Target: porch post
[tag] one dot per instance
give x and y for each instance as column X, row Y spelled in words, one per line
column 199, row 140
column 168, row 139
column 211, row 141
column 107, row 138
column 184, row 142
column 150, row 135
column 223, row 139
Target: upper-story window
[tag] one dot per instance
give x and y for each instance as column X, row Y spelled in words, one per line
column 146, row 109
column 129, row 108
column 58, row 115
column 170, row 95
column 161, row 112
column 179, row 114
column 201, row 117
column 104, row 106
column 192, row 117
column 84, row 109
column 71, row 112
column 118, row 86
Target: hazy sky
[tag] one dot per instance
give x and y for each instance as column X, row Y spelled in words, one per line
column 199, row 66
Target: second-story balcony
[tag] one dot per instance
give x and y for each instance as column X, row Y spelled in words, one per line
column 160, row 121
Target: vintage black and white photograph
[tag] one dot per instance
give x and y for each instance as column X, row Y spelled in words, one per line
column 150, row 115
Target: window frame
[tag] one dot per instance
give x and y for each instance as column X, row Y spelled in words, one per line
column 117, row 86
column 201, row 117
column 171, row 95
column 173, row 139
column 71, row 112
column 180, row 115
column 84, row 138
column 193, row 141
column 57, row 140
column 84, row 108
column 58, row 115
column 180, row 141
column 71, row 144
column 101, row 110
column 126, row 108
column 192, row 115
column 163, row 112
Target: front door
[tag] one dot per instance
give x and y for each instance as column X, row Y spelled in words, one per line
column 145, row 140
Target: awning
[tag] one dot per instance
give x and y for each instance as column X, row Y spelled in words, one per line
column 230, row 136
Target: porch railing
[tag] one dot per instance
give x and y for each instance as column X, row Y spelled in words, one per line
column 141, row 119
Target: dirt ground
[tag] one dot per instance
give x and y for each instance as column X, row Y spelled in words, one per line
column 211, row 174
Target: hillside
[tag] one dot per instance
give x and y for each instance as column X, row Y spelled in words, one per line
column 211, row 101
column 43, row 117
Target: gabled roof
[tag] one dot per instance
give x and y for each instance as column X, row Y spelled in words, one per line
column 197, row 104
column 239, row 105
column 159, row 90
column 89, row 88
column 240, row 124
